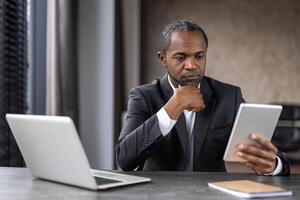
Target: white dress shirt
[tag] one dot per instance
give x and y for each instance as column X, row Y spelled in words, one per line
column 166, row 124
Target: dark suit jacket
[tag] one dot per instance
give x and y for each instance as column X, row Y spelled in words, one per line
column 141, row 144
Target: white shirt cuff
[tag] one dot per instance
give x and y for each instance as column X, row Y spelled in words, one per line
column 278, row 168
column 165, row 122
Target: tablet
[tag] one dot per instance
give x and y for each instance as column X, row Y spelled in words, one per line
column 251, row 118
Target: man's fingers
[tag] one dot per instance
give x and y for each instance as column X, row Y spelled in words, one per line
column 260, row 159
column 195, row 108
column 263, row 142
column 191, row 97
column 198, row 109
column 256, row 160
column 269, row 155
column 258, row 170
column 253, row 167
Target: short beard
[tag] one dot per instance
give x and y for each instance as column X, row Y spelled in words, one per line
column 186, row 81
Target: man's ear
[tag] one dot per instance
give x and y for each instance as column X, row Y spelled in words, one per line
column 162, row 58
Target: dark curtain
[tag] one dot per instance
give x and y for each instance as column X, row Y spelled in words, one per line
column 13, row 74
column 119, row 71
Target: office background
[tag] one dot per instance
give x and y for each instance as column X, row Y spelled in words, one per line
column 253, row 44
column 85, row 55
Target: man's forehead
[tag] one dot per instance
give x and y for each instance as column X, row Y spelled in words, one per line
column 187, row 40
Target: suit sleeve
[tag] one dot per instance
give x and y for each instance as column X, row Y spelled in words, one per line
column 140, row 136
column 285, row 165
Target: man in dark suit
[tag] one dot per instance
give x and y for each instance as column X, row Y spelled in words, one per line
column 183, row 121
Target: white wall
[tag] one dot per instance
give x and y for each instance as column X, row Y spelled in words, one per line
column 96, row 80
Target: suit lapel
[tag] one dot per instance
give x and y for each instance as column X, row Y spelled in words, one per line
column 166, row 88
column 180, row 124
column 202, row 120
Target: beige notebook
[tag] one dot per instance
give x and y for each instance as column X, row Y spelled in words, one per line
column 249, row 189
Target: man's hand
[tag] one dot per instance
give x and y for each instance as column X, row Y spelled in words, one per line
column 187, row 97
column 260, row 159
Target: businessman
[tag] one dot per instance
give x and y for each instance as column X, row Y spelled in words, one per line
column 183, row 121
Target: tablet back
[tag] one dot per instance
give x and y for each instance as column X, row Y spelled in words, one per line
column 251, row 118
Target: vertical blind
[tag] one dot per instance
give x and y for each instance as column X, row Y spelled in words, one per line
column 13, row 74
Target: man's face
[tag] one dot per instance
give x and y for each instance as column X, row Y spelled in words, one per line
column 185, row 59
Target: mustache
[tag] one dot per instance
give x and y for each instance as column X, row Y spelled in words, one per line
column 191, row 77
column 188, row 78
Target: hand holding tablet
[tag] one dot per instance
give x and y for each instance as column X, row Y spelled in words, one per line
column 261, row 159
column 257, row 121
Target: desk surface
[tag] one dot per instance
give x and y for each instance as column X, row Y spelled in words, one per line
column 17, row 183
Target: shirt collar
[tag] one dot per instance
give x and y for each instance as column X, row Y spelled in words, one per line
column 172, row 86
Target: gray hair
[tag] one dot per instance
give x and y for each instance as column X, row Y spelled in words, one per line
column 179, row 25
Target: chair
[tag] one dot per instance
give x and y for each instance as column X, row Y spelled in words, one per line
column 287, row 132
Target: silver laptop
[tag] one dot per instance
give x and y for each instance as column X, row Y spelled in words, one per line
column 52, row 150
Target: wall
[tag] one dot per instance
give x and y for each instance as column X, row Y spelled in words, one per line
column 252, row 43
column 37, row 56
column 96, row 80
column 131, row 41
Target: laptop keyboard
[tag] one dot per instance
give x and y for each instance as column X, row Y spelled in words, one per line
column 101, row 181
